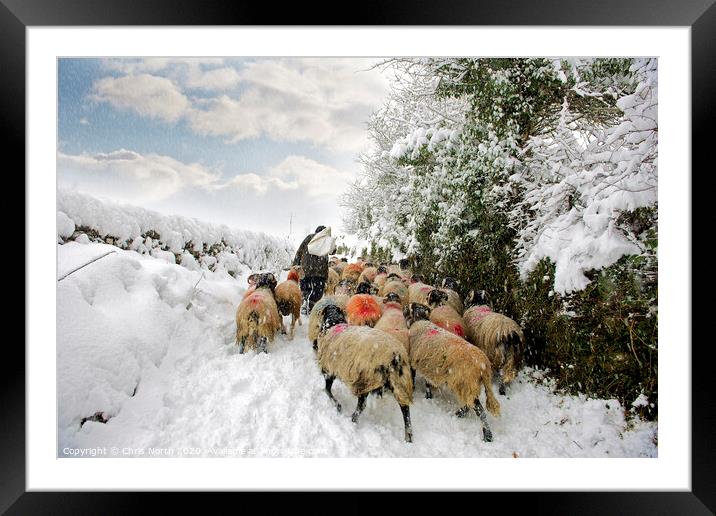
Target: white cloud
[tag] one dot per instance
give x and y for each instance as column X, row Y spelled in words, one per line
column 300, row 174
column 147, row 95
column 129, row 176
column 218, row 79
column 84, row 121
column 323, row 101
column 134, row 65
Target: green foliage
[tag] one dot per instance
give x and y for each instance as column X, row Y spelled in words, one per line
column 600, row 340
column 452, row 209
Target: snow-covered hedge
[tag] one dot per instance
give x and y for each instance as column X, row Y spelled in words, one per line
column 189, row 242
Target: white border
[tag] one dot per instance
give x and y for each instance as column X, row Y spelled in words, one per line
column 671, row 470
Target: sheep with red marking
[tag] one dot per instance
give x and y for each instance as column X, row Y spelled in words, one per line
column 444, row 315
column 366, row 360
column 257, row 317
column 444, row 359
column 368, row 274
column 418, row 292
column 314, row 320
column 477, row 308
column 449, row 286
column 288, row 300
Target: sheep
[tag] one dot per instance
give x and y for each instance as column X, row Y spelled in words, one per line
column 288, row 301
column 352, row 272
column 443, row 358
column 331, row 282
column 449, row 286
column 257, row 317
column 393, row 321
column 502, row 340
column 314, row 320
column 366, row 360
column 477, row 308
column 344, row 288
column 368, row 274
column 418, row 293
column 363, row 309
column 381, row 277
column 443, row 314
column 396, row 287
column 338, row 267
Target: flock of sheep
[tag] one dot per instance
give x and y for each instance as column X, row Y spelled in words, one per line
column 377, row 326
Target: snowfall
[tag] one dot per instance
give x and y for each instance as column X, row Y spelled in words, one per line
column 147, row 363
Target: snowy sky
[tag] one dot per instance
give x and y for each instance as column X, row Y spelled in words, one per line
column 240, row 141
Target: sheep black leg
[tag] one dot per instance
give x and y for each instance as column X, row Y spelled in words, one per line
column 359, row 407
column 408, row 427
column 486, row 432
column 463, row 411
column 412, row 374
column 501, row 383
column 242, row 345
column 428, row 391
column 329, row 384
column 262, row 346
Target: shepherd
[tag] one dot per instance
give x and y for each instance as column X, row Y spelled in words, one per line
column 312, row 256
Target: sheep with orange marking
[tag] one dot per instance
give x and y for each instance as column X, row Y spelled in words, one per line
column 288, row 300
column 366, row 360
column 314, row 320
column 363, row 310
column 443, row 358
column 393, row 321
column 352, row 272
column 257, row 317
column 444, row 315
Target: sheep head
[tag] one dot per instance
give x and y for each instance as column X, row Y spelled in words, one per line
column 450, row 283
column 266, row 280
column 476, row 297
column 391, row 297
column 331, row 315
column 363, row 288
column 416, row 312
column 437, row 297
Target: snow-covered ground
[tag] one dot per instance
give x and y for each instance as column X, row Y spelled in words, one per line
column 150, row 345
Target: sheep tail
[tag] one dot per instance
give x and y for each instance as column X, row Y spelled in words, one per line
column 284, row 306
column 493, row 406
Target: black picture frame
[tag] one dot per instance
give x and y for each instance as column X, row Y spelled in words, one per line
column 700, row 15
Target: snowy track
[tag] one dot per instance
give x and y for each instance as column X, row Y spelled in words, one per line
column 169, row 377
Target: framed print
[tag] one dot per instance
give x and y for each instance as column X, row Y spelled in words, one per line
column 192, row 163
